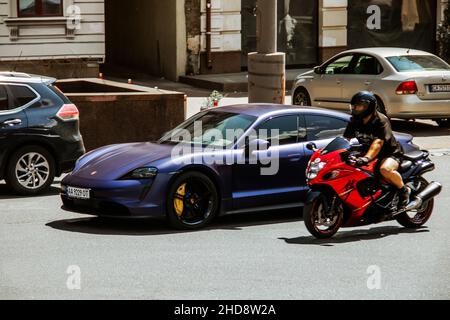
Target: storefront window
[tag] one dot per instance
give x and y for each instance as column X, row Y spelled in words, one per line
column 297, row 30
column 40, row 8
column 392, row 23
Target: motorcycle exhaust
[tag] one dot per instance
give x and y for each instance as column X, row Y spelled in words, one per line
column 429, row 193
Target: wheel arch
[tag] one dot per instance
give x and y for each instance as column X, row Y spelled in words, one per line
column 381, row 99
column 210, row 173
column 30, row 142
column 302, row 87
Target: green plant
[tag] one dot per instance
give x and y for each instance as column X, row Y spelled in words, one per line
column 215, row 97
column 444, row 36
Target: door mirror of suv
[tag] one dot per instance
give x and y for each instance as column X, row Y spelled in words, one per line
column 318, row 70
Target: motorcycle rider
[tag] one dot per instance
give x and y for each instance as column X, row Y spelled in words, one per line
column 373, row 130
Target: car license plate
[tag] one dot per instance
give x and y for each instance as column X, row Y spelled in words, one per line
column 440, row 88
column 78, row 193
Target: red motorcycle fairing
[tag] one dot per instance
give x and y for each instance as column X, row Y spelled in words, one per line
column 343, row 179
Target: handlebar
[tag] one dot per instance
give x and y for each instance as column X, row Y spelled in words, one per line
column 352, row 158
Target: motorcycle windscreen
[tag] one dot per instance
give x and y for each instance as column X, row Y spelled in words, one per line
column 337, row 144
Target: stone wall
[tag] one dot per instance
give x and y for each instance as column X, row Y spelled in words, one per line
column 141, row 114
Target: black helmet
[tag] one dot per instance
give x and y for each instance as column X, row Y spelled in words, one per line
column 366, row 99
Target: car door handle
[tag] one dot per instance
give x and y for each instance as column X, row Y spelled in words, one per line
column 12, row 123
column 367, row 83
column 338, row 81
column 294, row 157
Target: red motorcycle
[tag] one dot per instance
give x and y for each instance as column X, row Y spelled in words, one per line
column 344, row 195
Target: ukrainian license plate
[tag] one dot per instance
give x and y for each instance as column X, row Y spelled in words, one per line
column 78, row 193
column 440, row 88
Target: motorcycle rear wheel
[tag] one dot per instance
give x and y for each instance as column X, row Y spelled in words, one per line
column 423, row 214
column 316, row 221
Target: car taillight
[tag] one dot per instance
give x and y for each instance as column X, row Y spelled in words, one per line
column 68, row 112
column 407, row 87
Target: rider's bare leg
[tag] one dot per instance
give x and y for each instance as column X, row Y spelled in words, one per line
column 389, row 172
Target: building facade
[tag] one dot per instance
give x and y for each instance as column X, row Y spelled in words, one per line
column 60, row 38
column 172, row 38
column 188, row 37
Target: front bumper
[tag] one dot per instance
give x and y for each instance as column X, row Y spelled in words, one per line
column 118, row 199
column 412, row 107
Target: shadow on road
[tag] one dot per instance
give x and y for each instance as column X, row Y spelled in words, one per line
column 159, row 226
column 6, row 193
column 355, row 236
column 420, row 129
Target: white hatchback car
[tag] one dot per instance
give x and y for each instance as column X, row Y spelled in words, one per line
column 409, row 84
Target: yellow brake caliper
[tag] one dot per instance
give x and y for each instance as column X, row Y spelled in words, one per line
column 178, row 204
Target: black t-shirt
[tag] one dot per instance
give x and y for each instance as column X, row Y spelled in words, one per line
column 379, row 127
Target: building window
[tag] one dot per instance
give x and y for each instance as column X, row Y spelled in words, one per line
column 400, row 23
column 39, row 8
column 298, row 27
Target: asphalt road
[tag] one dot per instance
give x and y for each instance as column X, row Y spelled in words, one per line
column 258, row 256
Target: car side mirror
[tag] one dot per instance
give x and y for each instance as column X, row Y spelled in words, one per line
column 318, row 70
column 312, row 147
column 258, row 144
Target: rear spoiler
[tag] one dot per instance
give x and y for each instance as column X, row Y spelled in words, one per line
column 44, row 79
column 48, row 81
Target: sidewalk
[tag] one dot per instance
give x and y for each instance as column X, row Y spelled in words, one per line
column 230, row 84
column 233, row 82
column 196, row 96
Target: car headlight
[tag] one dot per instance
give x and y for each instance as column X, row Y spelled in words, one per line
column 141, row 174
column 314, row 168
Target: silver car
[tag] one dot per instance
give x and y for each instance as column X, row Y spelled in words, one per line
column 409, row 84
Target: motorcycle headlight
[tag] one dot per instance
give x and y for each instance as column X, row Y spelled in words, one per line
column 141, row 174
column 315, row 168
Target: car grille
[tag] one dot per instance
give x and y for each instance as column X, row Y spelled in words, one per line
column 96, row 207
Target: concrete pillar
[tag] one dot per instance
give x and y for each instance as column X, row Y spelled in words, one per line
column 266, row 68
column 266, row 26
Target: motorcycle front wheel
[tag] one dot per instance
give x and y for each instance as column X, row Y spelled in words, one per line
column 324, row 216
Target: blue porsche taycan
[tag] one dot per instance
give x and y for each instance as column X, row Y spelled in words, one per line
column 198, row 170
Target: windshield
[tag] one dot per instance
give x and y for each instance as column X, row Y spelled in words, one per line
column 418, row 63
column 337, row 144
column 210, row 129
